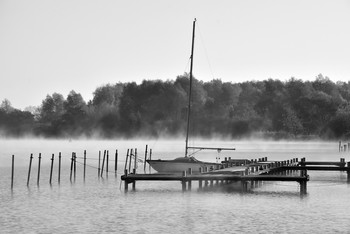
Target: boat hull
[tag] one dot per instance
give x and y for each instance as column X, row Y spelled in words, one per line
column 170, row 166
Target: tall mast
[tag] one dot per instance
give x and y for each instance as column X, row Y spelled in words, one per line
column 190, row 91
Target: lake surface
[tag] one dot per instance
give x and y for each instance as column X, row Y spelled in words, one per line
column 100, row 205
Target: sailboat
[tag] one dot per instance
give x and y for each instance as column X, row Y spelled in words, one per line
column 181, row 164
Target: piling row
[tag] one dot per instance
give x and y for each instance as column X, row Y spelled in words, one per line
column 102, row 167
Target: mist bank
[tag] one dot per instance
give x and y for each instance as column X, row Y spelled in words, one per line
column 269, row 109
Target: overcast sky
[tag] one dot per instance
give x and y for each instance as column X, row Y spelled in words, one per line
column 57, row 46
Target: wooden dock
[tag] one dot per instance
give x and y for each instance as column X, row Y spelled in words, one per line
column 244, row 171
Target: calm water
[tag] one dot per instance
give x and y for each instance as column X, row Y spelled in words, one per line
column 99, row 205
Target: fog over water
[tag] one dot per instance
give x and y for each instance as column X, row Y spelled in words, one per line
column 101, row 205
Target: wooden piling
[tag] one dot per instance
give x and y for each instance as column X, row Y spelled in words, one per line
column 348, row 171
column 75, row 165
column 303, row 187
column 30, row 167
column 189, row 182
column 135, row 160
column 52, row 159
column 200, row 181
column 150, row 158
column 144, row 162
column 107, row 160
column 12, row 171
column 116, row 163
column 126, row 159
column 339, row 146
column 103, row 162
column 59, row 168
column 134, row 181
column 183, row 181
column 39, row 164
column 71, row 167
column 99, row 164
column 130, row 157
column 84, row 164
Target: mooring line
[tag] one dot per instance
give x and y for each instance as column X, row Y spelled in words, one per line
column 109, row 172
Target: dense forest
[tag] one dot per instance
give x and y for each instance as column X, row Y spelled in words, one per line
column 270, row 108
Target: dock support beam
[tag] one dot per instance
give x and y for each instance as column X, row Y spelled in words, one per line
column 183, row 181
column 303, row 187
column 190, row 181
column 200, row 182
column 134, row 182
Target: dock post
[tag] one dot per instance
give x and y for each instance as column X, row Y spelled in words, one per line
column 53, row 156
column 348, row 172
column 30, row 166
column 134, row 181
column 342, row 161
column 103, row 162
column 200, row 185
column 339, row 146
column 303, row 187
column 39, row 163
column 84, row 164
column 116, row 163
column 107, row 160
column 189, row 181
column 135, row 160
column 126, row 159
column 150, row 158
column 13, row 170
column 126, row 182
column 99, row 164
column 130, row 157
column 144, row 162
column 59, row 167
column 71, row 168
column 183, row 181
column 75, row 166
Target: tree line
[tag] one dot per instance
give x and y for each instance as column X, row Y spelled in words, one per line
column 156, row 108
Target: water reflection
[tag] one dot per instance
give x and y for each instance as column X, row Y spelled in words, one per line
column 100, row 204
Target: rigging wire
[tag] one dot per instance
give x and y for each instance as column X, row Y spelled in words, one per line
column 205, row 51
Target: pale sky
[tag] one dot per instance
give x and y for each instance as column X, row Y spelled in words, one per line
column 51, row 46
